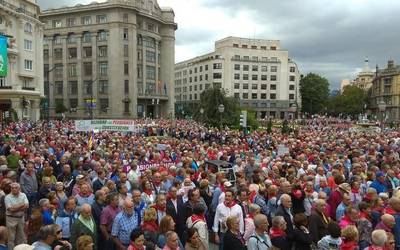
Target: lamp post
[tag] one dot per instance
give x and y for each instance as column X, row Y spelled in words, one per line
column 382, row 108
column 46, row 103
column 293, row 109
column 91, row 99
column 221, row 109
column 201, row 114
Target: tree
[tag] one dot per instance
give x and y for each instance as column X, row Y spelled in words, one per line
column 60, row 108
column 314, row 90
column 353, row 100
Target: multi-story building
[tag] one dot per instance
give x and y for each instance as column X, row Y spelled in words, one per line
column 21, row 89
column 385, row 97
column 365, row 77
column 257, row 72
column 110, row 60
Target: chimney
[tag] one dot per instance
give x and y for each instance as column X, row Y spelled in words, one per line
column 390, row 64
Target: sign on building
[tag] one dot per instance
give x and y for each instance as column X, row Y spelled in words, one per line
column 3, row 56
column 105, row 125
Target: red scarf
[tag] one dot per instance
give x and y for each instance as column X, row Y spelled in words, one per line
column 158, row 208
column 233, row 203
column 350, row 245
column 276, row 232
column 390, row 211
column 148, row 191
column 355, row 191
column 133, row 247
column 151, row 226
column 364, row 215
column 196, row 217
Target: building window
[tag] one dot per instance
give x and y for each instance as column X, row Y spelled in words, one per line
column 263, row 77
column 237, row 76
column 126, row 68
column 273, row 77
column 254, row 77
column 126, row 107
column 71, row 22
column 103, row 104
column 73, row 103
column 245, row 67
column 195, row 79
column 71, row 38
column 291, row 87
column 244, row 46
column 205, row 67
column 246, row 58
column 59, row 88
column 264, row 68
column 139, row 40
column 235, row 45
column 254, row 96
column 28, row 65
column 291, row 96
column 72, row 70
column 201, row 68
column 245, row 95
column 236, row 95
column 87, row 87
column 292, row 78
column 195, row 87
column 273, row 48
column 86, row 20
column 217, row 76
column 126, row 50
column 236, row 57
column 245, row 77
column 57, row 39
column 292, row 69
column 237, row 66
column 253, row 46
column 103, row 68
column 72, row 53
column 151, row 72
column 200, row 87
column 87, row 69
column 217, row 66
column 86, row 37
column 273, row 87
column 140, row 71
column 57, row 24
column 28, row 45
column 101, row 19
column 190, row 88
column 58, row 53
column 150, row 42
column 274, row 68
column 206, row 77
column 45, row 54
column 264, row 47
column 87, row 52
column 103, row 86
column 125, row 18
column 102, row 51
column 150, row 56
column 254, row 86
column 263, row 96
column 73, row 87
column 28, row 27
column 126, row 87
column 201, row 77
column 274, row 59
column 126, row 34
column 245, row 86
column 102, row 35
column 263, row 86
column 272, row 96
column 58, row 71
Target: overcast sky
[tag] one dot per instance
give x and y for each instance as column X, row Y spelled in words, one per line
column 327, row 37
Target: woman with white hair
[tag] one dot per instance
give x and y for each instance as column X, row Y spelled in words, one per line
column 254, row 209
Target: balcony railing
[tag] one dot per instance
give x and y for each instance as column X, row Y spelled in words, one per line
column 28, row 88
column 5, row 87
column 17, row 9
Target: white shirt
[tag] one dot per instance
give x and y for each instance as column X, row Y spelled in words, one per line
column 223, row 212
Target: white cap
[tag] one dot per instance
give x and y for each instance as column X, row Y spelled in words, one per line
column 227, row 184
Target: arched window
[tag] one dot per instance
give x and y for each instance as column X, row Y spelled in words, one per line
column 28, row 27
column 71, row 38
column 86, row 37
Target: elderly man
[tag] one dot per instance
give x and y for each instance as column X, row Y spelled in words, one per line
column 318, row 221
column 16, row 204
column 47, row 236
column 387, row 223
column 67, row 217
column 379, row 238
column 29, row 184
column 260, row 239
column 172, row 241
column 284, row 210
column 84, row 225
column 123, row 225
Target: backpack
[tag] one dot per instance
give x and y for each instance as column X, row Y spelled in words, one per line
column 258, row 241
column 184, row 235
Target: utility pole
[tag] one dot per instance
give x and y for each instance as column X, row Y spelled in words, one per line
column 91, row 98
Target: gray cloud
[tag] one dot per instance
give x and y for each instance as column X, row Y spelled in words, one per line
column 327, row 37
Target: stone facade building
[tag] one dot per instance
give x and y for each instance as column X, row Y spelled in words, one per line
column 257, row 72
column 22, row 89
column 110, row 60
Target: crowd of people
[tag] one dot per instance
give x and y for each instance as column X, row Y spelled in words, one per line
column 324, row 186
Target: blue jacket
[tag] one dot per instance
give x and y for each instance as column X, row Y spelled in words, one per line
column 380, row 187
column 396, row 230
column 65, row 221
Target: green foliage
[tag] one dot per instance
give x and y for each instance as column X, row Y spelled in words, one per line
column 351, row 101
column 314, row 90
column 285, row 127
column 269, row 126
column 60, row 108
column 210, row 99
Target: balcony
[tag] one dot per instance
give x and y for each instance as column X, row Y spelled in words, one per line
column 17, row 9
column 256, row 61
column 5, row 87
column 28, row 88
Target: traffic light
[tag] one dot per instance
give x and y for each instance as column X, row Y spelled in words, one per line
column 243, row 119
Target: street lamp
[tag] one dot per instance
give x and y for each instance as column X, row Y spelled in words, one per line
column 293, row 109
column 382, row 108
column 221, row 109
column 201, row 114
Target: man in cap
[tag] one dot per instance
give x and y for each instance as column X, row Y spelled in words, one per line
column 379, row 183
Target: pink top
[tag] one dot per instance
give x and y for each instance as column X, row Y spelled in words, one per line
column 249, row 228
column 108, row 215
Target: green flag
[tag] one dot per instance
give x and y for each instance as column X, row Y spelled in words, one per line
column 3, row 56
